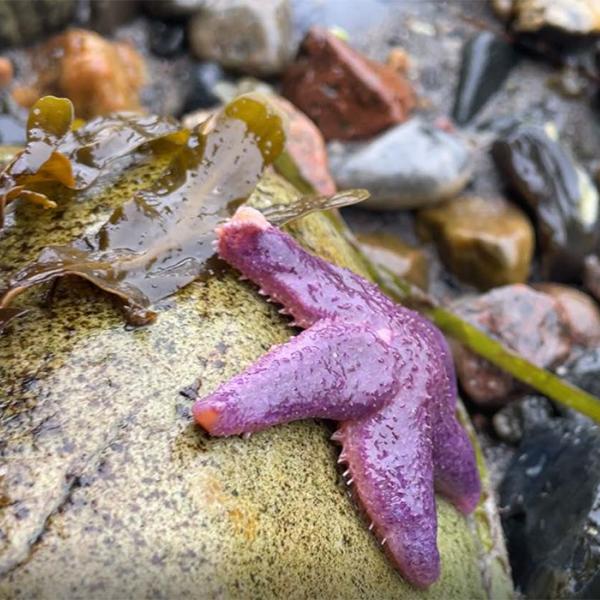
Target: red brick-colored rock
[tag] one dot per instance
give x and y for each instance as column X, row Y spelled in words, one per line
column 531, row 323
column 306, row 146
column 346, row 94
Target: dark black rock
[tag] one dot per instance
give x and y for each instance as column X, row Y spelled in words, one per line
column 558, row 192
column 584, row 371
column 12, row 131
column 173, row 10
column 166, row 39
column 550, row 499
column 520, row 416
column 486, row 63
column 104, row 16
column 201, row 83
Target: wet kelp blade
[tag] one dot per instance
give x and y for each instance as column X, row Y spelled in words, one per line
column 160, row 240
column 59, row 154
column 280, row 214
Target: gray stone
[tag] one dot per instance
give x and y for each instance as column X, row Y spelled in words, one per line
column 24, row 21
column 251, row 36
column 104, row 16
column 409, row 166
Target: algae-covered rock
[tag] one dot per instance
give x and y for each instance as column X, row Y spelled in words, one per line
column 108, row 490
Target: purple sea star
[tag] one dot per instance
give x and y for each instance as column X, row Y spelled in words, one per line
column 383, row 371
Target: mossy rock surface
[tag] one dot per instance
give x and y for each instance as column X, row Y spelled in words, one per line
column 108, row 490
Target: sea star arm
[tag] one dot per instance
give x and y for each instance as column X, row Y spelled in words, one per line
column 333, row 370
column 309, row 287
column 399, row 437
column 455, row 467
column 455, row 470
column 389, row 456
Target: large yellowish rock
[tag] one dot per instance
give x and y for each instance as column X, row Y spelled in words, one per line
column 485, row 242
column 108, row 490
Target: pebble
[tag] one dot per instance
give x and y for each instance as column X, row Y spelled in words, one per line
column 398, row 60
column 515, row 419
column 580, row 312
column 550, row 507
column 306, row 146
column 12, row 131
column 591, row 276
column 166, row 40
column 97, row 75
column 567, row 17
column 346, row 94
column 174, row 9
column 402, row 259
column 486, row 63
column 6, row 72
column 412, row 165
column 251, row 36
column 558, row 191
column 202, row 79
column 20, row 27
column 583, row 370
column 503, row 8
column 526, row 321
column 484, row 242
column 104, row 16
column 304, row 141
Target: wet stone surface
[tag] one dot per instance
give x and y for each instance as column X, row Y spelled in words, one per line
column 345, row 93
column 400, row 258
column 412, row 165
column 527, row 321
column 484, row 241
column 251, row 36
column 486, row 63
column 550, row 501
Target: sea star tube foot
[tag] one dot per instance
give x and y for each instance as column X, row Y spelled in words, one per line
column 383, row 371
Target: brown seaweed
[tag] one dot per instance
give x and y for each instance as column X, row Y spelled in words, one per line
column 60, row 153
column 160, row 240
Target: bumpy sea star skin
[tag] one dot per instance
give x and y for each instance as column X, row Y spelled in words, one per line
column 383, row 371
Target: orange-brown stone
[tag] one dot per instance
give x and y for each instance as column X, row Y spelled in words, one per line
column 97, row 75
